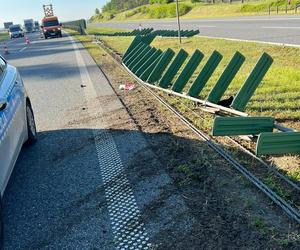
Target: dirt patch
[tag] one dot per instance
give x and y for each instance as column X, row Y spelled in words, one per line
column 224, row 210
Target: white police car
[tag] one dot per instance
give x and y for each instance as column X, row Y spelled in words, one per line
column 17, row 125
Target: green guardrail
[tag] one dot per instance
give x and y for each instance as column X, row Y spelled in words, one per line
column 144, row 32
column 77, row 25
column 155, row 67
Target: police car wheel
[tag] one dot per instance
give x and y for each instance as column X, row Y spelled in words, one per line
column 31, row 128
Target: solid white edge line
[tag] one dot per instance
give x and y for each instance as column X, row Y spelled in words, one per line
column 22, row 49
column 253, row 41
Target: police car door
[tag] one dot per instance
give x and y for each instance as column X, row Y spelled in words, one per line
column 12, row 121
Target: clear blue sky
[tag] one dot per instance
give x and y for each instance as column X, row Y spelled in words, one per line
column 18, row 10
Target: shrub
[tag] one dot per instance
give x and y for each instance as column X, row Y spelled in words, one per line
column 168, row 10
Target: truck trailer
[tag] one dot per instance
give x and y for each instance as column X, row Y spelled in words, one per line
column 7, row 24
column 29, row 25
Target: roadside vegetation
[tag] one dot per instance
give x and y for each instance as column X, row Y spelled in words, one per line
column 199, row 171
column 3, row 36
column 155, row 9
column 277, row 96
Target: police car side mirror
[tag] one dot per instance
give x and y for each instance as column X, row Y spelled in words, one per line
column 3, row 104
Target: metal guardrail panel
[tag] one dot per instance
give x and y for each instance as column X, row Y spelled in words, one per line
column 205, row 74
column 138, row 57
column 173, row 69
column 226, row 78
column 226, row 126
column 245, row 93
column 278, row 143
column 135, row 54
column 143, row 60
column 161, row 66
column 188, row 71
column 130, row 53
column 144, row 76
column 148, row 63
column 133, row 44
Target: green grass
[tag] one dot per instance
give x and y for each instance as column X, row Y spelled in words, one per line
column 4, row 36
column 189, row 10
column 279, row 93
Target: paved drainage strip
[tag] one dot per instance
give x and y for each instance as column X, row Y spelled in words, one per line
column 129, row 232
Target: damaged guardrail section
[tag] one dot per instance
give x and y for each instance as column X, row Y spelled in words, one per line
column 161, row 70
column 162, row 33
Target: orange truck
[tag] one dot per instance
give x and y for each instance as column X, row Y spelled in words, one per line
column 51, row 27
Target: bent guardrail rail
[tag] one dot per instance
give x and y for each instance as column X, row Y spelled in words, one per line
column 160, row 71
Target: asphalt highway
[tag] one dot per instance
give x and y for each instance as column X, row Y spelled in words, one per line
column 60, row 193
column 276, row 29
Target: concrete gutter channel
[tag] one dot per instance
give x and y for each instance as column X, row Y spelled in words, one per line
column 126, row 195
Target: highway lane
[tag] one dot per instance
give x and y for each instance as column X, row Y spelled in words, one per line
column 276, row 29
column 87, row 183
column 56, row 197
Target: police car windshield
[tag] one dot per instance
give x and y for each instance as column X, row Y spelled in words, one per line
column 14, row 29
column 51, row 23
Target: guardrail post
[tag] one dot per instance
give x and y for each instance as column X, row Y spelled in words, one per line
column 133, row 44
column 148, row 63
column 161, row 66
column 148, row 55
column 173, row 69
column 138, row 57
column 247, row 90
column 144, row 76
column 135, row 54
column 205, row 74
column 226, row 78
column 188, row 71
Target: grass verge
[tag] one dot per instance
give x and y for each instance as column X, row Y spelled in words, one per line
column 191, row 10
column 3, row 36
column 191, row 174
column 278, row 95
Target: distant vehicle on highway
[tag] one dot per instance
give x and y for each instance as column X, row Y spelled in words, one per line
column 29, row 25
column 36, row 26
column 51, row 27
column 15, row 31
column 17, row 125
column 7, row 24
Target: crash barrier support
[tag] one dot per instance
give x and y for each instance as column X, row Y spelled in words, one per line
column 173, row 69
column 205, row 74
column 245, row 93
column 160, row 70
column 226, row 78
column 188, row 71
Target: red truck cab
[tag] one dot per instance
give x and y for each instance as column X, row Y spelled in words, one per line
column 51, row 27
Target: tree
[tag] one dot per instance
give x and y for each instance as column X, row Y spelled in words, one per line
column 97, row 11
